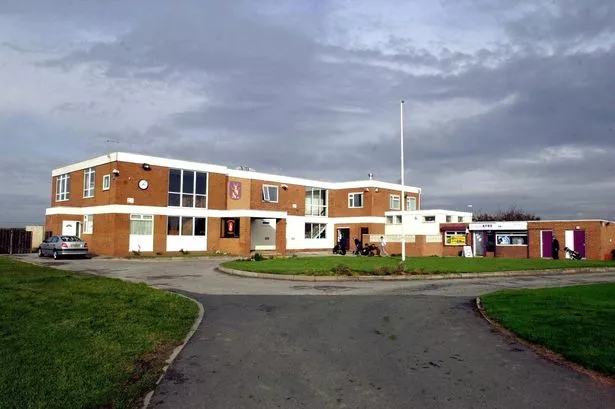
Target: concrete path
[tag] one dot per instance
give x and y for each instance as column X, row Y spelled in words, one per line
column 278, row 344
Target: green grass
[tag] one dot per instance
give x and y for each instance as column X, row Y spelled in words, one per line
column 369, row 265
column 577, row 322
column 79, row 341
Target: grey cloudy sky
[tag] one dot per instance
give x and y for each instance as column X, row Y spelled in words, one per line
column 508, row 102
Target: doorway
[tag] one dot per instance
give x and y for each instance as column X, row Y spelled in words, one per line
column 364, row 231
column 546, row 240
column 345, row 233
column 479, row 244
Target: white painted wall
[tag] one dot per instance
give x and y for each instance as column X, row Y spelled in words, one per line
column 188, row 243
column 141, row 242
column 414, row 221
column 295, row 233
column 263, row 234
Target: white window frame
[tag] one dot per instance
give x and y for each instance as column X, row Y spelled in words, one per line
column 392, row 200
column 267, row 193
column 351, row 200
column 398, row 218
column 106, row 182
column 88, row 224
column 389, row 220
column 318, row 209
column 194, row 193
column 409, row 200
column 449, row 218
column 459, row 219
column 319, row 228
column 89, row 182
column 142, row 217
column 498, row 235
column 448, row 234
column 429, row 221
column 63, row 187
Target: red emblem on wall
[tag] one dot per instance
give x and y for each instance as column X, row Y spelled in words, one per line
column 230, row 226
column 234, row 190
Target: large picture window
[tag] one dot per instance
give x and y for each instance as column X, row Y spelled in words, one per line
column 186, row 226
column 89, row 176
column 187, row 188
column 270, row 193
column 355, row 200
column 394, row 202
column 315, row 231
column 511, row 239
column 315, row 201
column 62, row 188
column 455, row 238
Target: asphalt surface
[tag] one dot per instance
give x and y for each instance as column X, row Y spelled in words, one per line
column 278, row 344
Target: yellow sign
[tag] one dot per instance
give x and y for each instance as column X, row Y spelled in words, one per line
column 456, row 240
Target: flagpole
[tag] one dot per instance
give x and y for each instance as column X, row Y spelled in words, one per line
column 403, row 199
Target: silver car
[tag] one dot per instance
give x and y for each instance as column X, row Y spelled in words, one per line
column 58, row 246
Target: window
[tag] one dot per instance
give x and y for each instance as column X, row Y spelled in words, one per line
column 186, row 226
column 398, row 219
column 315, row 231
column 88, row 224
column 141, row 224
column 455, row 238
column 230, row 227
column 411, row 203
column 389, row 220
column 449, row 219
column 394, row 202
column 187, row 188
column 270, row 193
column 429, row 219
column 511, row 239
column 106, row 182
column 355, row 200
column 315, row 201
column 459, row 219
column 89, row 175
column 62, row 188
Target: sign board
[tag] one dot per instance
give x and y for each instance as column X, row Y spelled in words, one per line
column 392, row 238
column 498, row 226
column 456, row 240
column 467, row 251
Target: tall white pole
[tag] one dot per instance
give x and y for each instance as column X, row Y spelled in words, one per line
column 403, row 186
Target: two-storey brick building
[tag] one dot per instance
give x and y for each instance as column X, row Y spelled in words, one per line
column 122, row 203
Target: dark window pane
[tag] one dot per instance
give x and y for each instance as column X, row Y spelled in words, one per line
column 175, row 178
column 187, row 201
column 174, row 199
column 308, row 230
column 201, row 201
column 199, row 226
column 187, row 226
column 201, row 183
column 173, row 226
column 188, row 184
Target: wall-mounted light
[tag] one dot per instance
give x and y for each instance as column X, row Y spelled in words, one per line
column 283, row 186
column 366, row 189
column 147, row 167
column 376, row 189
column 116, row 172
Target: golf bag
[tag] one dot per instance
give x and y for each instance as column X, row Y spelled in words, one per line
column 573, row 254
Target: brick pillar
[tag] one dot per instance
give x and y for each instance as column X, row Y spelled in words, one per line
column 280, row 237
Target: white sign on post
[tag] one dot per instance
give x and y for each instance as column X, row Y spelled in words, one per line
column 467, row 251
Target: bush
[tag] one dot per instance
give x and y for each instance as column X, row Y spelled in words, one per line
column 258, row 257
column 399, row 270
column 342, row 269
column 383, row 271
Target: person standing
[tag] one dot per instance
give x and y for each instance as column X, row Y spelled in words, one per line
column 555, row 248
column 383, row 244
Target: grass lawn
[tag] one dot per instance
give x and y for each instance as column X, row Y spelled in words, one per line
column 577, row 322
column 382, row 265
column 78, row 341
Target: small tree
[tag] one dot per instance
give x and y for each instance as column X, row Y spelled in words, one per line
column 512, row 214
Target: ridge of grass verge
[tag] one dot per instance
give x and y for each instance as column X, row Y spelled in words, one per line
column 70, row 340
column 577, row 322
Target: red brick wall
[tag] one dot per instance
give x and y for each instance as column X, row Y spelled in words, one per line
column 594, row 236
column 511, row 251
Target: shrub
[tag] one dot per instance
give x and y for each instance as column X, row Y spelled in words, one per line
column 383, row 271
column 258, row 257
column 159, row 253
column 399, row 269
column 342, row 269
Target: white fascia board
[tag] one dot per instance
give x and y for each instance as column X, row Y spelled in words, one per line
column 358, row 184
column 171, row 163
column 433, row 212
column 164, row 211
column 352, row 220
column 266, row 177
column 90, row 163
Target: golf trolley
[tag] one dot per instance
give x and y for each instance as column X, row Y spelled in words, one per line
column 573, row 254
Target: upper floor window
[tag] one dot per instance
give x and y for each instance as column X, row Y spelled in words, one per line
column 429, row 219
column 411, row 203
column 187, row 188
column 89, row 175
column 62, row 188
column 449, row 218
column 355, row 199
column 394, row 202
column 106, row 182
column 459, row 219
column 315, row 201
column 270, row 193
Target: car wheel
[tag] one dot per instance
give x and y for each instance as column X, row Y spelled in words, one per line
column 40, row 252
column 55, row 255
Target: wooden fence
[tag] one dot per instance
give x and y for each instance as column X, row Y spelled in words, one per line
column 15, row 241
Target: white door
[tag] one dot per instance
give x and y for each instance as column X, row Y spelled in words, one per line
column 141, row 233
column 263, row 234
column 70, row 228
column 569, row 241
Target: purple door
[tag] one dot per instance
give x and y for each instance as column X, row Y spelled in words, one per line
column 579, row 242
column 547, row 238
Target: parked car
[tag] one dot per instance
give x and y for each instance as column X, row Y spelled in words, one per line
column 58, row 246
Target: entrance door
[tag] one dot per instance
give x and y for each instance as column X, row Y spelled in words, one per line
column 345, row 233
column 263, row 234
column 579, row 242
column 364, row 230
column 479, row 244
column 71, row 228
column 141, row 233
column 546, row 239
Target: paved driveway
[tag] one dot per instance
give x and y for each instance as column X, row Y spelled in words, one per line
column 277, row 344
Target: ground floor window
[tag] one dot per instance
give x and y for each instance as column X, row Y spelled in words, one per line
column 88, row 224
column 141, row 224
column 186, row 226
column 511, row 239
column 455, row 238
column 315, row 231
column 230, row 227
